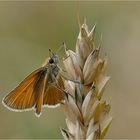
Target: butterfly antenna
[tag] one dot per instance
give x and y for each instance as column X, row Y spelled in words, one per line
column 64, row 46
column 61, row 46
column 50, row 53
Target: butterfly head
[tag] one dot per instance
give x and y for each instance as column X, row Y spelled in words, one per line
column 53, row 58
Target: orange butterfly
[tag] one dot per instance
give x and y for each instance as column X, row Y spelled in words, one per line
column 42, row 87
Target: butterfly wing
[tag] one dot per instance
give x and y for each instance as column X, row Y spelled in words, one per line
column 54, row 95
column 23, row 96
column 39, row 90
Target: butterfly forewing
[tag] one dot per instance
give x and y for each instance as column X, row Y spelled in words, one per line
column 23, row 97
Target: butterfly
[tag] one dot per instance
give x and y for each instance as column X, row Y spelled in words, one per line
column 41, row 88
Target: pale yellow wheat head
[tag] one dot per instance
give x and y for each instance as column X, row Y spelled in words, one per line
column 87, row 114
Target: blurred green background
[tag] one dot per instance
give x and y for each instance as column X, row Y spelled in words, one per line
column 28, row 29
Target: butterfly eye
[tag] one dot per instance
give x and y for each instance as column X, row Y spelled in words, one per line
column 51, row 61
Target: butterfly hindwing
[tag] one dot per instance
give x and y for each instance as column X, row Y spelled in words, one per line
column 54, row 95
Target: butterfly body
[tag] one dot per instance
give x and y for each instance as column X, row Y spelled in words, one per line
column 41, row 87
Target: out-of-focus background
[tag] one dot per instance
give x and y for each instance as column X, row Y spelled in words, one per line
column 29, row 29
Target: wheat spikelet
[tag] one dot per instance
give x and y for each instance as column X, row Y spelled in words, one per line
column 87, row 114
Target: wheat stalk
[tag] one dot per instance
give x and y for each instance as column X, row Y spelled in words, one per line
column 87, row 114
